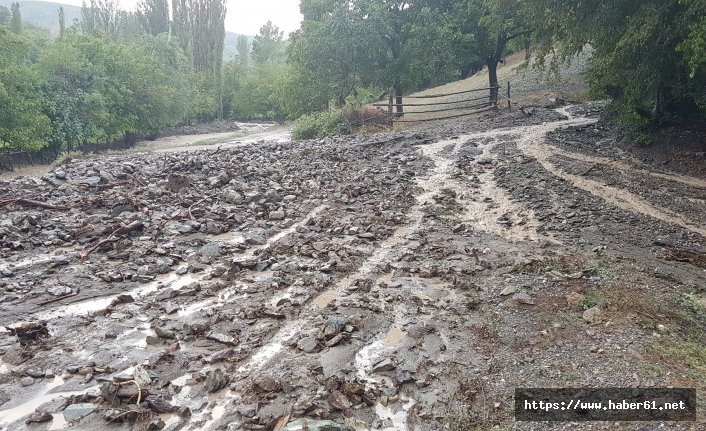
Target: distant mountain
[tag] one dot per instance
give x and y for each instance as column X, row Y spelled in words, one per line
column 46, row 14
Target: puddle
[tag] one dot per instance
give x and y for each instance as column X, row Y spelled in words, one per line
column 13, row 414
column 394, row 417
column 90, row 306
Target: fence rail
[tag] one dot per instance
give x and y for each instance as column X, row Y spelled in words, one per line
column 397, row 114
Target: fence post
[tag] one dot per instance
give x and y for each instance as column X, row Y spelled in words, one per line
column 509, row 105
column 389, row 109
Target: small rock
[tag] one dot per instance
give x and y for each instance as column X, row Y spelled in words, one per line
column 163, row 333
column 156, row 425
column 39, row 417
column 216, row 380
column 36, row 373
column 509, row 290
column 593, row 315
column 265, row 384
column 222, row 338
column 75, row 412
column 113, row 415
column 27, row 381
column 308, row 344
column 384, row 365
column 277, row 215
column 338, row 401
column 573, row 299
column 315, row 425
column 524, row 298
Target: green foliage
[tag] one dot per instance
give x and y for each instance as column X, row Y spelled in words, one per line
column 268, row 46
column 23, row 125
column 320, row 125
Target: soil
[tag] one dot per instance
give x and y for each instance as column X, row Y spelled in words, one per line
column 397, row 281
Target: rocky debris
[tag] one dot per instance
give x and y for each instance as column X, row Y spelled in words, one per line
column 593, row 315
column 222, row 338
column 265, row 384
column 29, row 332
column 385, row 365
column 216, row 380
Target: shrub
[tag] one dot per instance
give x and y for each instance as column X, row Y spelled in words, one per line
column 320, row 125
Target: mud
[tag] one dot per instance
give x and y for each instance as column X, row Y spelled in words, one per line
column 402, row 281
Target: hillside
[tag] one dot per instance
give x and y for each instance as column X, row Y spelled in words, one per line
column 46, row 14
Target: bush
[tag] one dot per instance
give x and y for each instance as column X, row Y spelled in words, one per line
column 320, row 125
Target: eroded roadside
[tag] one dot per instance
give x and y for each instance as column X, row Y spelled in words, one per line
column 404, row 281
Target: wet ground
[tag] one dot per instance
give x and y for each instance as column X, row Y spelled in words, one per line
column 405, row 281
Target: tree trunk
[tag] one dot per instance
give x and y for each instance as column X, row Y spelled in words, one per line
column 492, row 64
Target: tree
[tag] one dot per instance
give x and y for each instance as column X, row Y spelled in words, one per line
column 243, row 48
column 16, row 19
column 5, row 15
column 23, row 125
column 155, row 16
column 645, row 53
column 268, row 46
column 62, row 21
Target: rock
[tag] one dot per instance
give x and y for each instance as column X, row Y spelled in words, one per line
column 91, row 181
column 338, row 401
column 15, row 355
column 36, row 373
column 222, row 338
column 59, row 290
column 171, row 307
column 459, row 228
column 4, row 398
column 524, row 298
column 60, row 174
column 216, row 380
column 265, row 384
column 156, row 425
column 141, row 376
column 113, row 415
column 27, row 381
column 315, row 425
column 49, row 374
column 509, row 290
column 29, row 332
column 308, row 344
column 159, row 405
column 277, row 215
column 164, row 333
column 593, row 315
column 232, row 197
column 211, row 249
column 403, row 377
column 183, row 412
column 39, row 417
column 335, row 340
column 75, row 412
column 54, row 406
column 384, row 365
column 334, row 325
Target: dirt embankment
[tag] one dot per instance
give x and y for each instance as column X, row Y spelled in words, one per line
column 403, row 281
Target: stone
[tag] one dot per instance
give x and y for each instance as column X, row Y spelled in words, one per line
column 524, row 298
column 113, row 415
column 91, row 181
column 216, row 380
column 211, row 249
column 509, row 290
column 38, row 417
column 49, row 373
column 75, row 412
column 156, row 425
column 141, row 376
column 384, row 365
column 159, row 404
column 232, row 197
column 308, row 345
column 27, row 381
column 277, row 215
column 265, row 384
column 338, row 401
column 60, row 174
column 164, row 333
column 222, row 338
column 54, row 406
column 35, row 372
column 593, row 315
column 573, row 299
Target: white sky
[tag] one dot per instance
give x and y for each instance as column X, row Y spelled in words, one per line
column 245, row 16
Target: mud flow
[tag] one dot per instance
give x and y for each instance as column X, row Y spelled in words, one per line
column 400, row 281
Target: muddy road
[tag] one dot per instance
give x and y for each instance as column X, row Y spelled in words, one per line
column 403, row 281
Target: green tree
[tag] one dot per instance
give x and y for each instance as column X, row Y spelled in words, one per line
column 23, row 125
column 62, row 21
column 154, row 15
column 16, row 19
column 268, row 45
column 243, row 49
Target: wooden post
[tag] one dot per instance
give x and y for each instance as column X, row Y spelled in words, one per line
column 509, row 105
column 389, row 108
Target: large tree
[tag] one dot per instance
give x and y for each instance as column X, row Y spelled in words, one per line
column 268, row 45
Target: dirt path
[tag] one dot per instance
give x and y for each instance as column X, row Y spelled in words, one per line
column 250, row 134
column 407, row 281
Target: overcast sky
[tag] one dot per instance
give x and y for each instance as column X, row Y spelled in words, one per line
column 245, row 16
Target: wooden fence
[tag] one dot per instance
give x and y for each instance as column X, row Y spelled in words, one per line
column 471, row 104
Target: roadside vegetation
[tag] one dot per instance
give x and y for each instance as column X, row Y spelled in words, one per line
column 118, row 75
